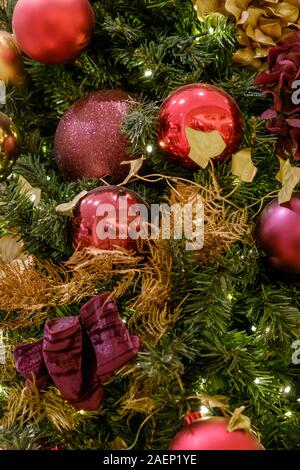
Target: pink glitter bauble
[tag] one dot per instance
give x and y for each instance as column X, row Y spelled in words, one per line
column 89, row 142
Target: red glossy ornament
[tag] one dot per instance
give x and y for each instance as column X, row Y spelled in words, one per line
column 53, row 31
column 104, row 218
column 211, row 434
column 204, row 108
column 89, row 142
column 278, row 233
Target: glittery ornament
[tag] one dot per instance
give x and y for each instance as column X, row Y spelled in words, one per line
column 203, row 108
column 278, row 233
column 102, row 219
column 11, row 63
column 211, row 434
column 53, row 31
column 89, row 142
column 9, row 148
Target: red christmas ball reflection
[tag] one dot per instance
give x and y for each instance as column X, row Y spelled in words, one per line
column 204, row 108
column 211, row 434
column 110, row 217
column 53, row 31
column 278, row 233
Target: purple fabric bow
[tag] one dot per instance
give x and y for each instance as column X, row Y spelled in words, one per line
column 79, row 353
column 112, row 343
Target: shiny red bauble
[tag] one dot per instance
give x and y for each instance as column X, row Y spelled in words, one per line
column 53, row 31
column 278, row 233
column 89, row 142
column 211, row 434
column 204, row 108
column 110, row 217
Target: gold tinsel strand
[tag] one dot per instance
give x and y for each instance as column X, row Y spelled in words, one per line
column 25, row 406
column 261, row 24
column 223, row 224
column 41, row 285
column 152, row 312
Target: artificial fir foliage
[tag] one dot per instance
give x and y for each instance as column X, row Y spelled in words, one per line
column 217, row 324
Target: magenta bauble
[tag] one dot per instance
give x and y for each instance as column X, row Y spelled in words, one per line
column 204, row 108
column 211, row 434
column 278, row 233
column 89, row 142
column 102, row 219
column 53, row 31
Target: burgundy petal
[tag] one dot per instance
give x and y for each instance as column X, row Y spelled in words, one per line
column 294, row 57
column 293, row 122
column 265, row 78
column 274, row 52
column 281, row 150
column 291, row 40
column 293, row 110
column 277, row 126
column 295, row 135
column 285, row 65
column 269, row 114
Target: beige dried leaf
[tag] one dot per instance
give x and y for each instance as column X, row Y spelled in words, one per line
column 118, row 444
column 289, row 177
column 279, row 175
column 33, row 193
column 135, row 166
column 204, row 145
column 239, row 421
column 68, row 207
column 217, row 401
column 11, row 248
column 242, row 165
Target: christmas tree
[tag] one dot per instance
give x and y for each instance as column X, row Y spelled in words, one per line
column 209, row 330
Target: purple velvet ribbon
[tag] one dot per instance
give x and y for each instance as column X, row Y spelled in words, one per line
column 79, row 353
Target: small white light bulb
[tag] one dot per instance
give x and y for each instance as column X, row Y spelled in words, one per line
column 204, row 410
column 149, row 148
column 148, row 73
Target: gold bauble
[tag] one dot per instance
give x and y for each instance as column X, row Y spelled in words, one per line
column 11, row 63
column 9, row 145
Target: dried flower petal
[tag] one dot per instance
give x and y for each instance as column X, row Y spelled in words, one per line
column 288, row 11
column 261, row 24
column 283, row 118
